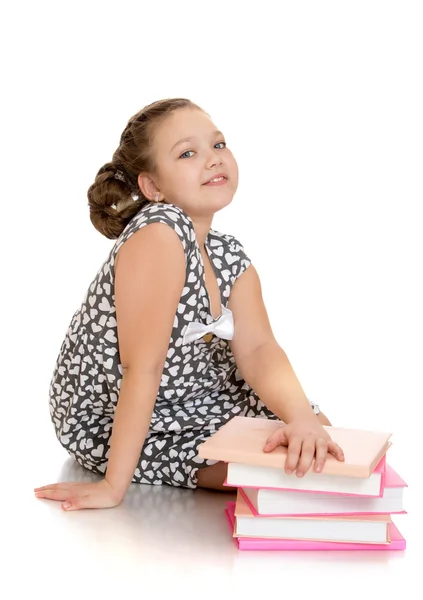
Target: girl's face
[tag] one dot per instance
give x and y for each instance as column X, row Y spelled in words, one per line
column 184, row 166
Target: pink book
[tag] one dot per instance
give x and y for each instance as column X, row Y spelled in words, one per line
column 242, row 439
column 397, row 541
column 359, row 529
column 271, row 503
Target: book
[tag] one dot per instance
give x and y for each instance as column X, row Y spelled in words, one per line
column 272, row 478
column 364, row 529
column 242, row 439
column 248, row 543
column 272, row 502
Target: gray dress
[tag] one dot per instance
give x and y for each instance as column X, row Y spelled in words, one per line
column 201, row 388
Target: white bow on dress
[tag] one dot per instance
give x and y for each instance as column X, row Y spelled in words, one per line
column 223, row 327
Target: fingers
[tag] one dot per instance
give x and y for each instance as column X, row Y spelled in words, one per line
column 321, row 454
column 58, row 495
column 62, row 492
column 75, row 496
column 307, row 455
column 336, row 450
column 48, row 491
column 317, row 450
column 59, row 485
column 53, row 494
column 46, row 487
column 73, row 504
column 276, row 439
column 70, row 501
column 294, row 451
column 302, row 451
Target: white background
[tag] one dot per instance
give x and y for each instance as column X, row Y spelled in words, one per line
column 321, row 104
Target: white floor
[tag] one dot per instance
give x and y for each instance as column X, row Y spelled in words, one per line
column 330, row 184
column 165, row 539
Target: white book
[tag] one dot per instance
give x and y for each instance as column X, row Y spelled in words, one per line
column 246, row 475
column 281, row 502
column 366, row 529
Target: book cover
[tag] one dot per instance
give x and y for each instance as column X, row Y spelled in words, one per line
column 242, row 440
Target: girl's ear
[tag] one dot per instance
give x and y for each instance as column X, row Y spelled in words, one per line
column 147, row 186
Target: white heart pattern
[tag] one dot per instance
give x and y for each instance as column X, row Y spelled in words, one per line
column 200, row 388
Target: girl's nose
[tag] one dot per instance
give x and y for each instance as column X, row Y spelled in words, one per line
column 214, row 159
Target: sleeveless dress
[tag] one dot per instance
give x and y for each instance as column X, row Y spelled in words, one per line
column 201, row 388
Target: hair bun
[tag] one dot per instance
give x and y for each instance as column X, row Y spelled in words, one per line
column 111, row 200
column 120, row 175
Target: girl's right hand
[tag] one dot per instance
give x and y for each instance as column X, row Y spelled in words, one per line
column 76, row 496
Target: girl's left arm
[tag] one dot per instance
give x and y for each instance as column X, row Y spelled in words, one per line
column 266, row 368
column 262, row 362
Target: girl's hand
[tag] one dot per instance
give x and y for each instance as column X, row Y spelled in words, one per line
column 75, row 496
column 306, row 440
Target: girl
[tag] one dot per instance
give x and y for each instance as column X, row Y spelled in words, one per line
column 172, row 339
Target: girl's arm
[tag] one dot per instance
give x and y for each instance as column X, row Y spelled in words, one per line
column 265, row 367
column 130, row 427
column 262, row 362
column 149, row 279
column 268, row 371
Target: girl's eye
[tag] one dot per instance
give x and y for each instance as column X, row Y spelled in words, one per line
column 184, row 155
column 187, row 152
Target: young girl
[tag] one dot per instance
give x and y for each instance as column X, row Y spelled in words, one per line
column 172, row 339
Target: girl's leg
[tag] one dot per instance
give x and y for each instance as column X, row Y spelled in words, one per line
column 212, row 478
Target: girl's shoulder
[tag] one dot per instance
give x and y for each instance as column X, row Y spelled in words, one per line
column 226, row 244
column 171, row 215
column 217, row 238
column 228, row 254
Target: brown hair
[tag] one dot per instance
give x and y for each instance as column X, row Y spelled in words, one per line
column 115, row 198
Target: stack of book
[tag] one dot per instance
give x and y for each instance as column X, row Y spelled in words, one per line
column 348, row 506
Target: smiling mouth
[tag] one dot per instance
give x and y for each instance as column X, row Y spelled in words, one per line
column 216, row 180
